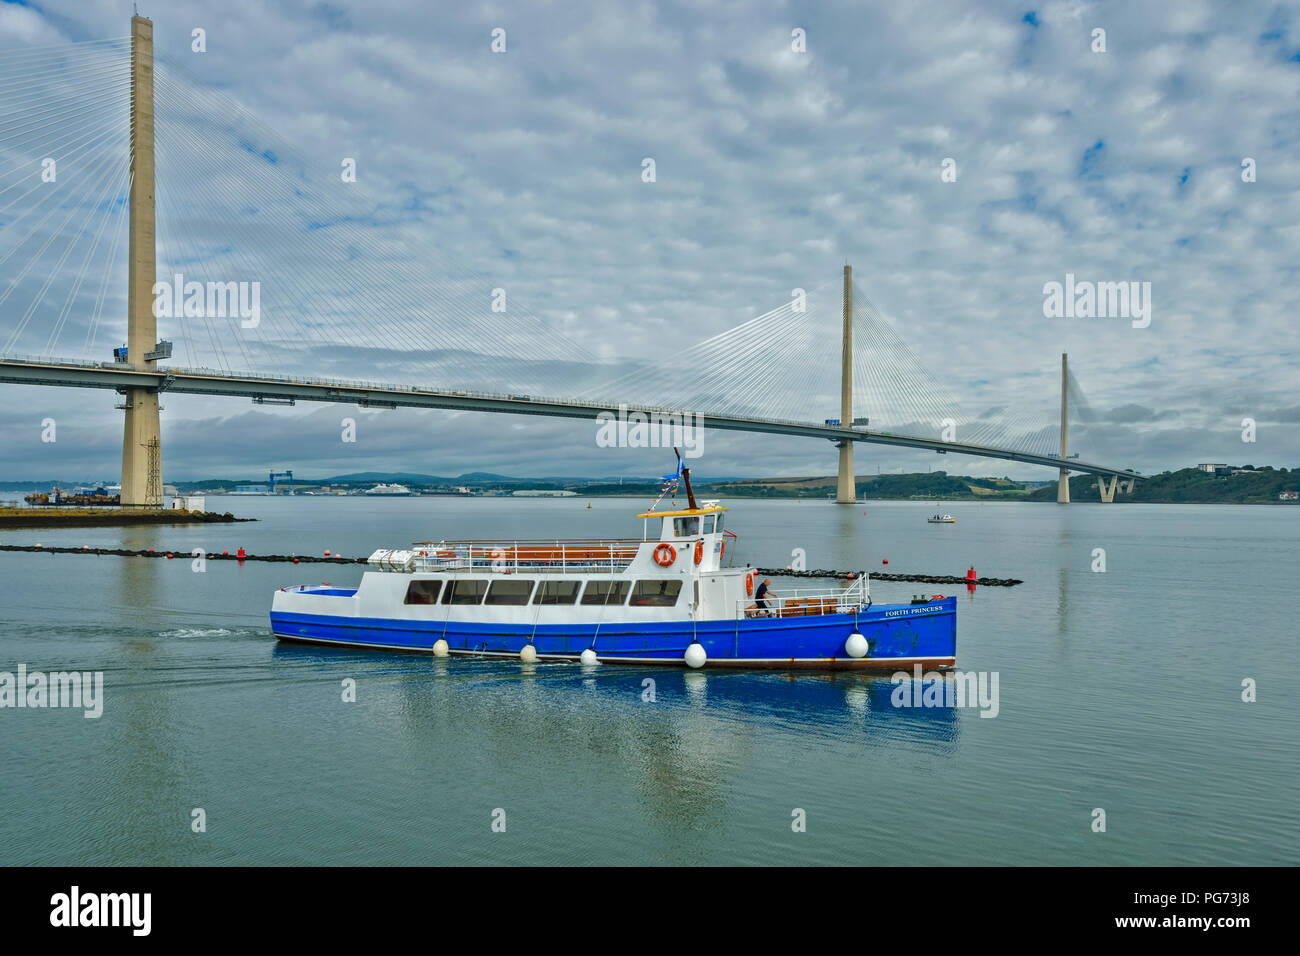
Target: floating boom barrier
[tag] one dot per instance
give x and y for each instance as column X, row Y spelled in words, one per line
column 888, row 576
column 329, row 558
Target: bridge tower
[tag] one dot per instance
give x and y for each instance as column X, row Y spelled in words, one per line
column 141, row 439
column 846, row 492
column 1063, row 480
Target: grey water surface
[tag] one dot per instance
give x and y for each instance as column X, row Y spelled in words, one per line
column 1118, row 690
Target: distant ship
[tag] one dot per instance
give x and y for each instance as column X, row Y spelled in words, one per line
column 390, row 491
column 942, row 519
column 98, row 497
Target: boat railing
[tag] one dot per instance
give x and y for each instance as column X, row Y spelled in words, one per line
column 538, row 556
column 803, row 602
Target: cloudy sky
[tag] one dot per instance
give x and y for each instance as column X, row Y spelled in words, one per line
column 774, row 165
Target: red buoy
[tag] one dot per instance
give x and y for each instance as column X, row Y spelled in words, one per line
column 240, row 553
column 295, row 560
column 327, row 552
column 169, row 557
column 884, row 560
column 970, row 575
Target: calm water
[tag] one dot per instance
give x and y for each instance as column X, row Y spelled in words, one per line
column 1119, row 690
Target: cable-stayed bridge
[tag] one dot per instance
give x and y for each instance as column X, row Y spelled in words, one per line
column 135, row 202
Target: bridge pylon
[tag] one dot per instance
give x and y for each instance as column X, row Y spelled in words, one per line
column 846, row 491
column 1063, row 480
column 141, row 437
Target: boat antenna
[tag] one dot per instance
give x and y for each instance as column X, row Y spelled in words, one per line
column 686, row 477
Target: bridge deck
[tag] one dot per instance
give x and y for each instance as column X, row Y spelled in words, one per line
column 66, row 373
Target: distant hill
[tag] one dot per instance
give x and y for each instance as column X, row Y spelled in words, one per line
column 1186, row 486
column 1190, row 486
column 932, row 484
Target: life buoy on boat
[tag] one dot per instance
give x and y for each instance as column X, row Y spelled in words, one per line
column 749, row 583
column 665, row 555
column 699, row 551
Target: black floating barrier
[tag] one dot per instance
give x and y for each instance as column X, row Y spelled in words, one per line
column 334, row 559
column 887, row 576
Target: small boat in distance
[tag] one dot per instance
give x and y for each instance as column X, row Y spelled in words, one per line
column 671, row 599
column 944, row 518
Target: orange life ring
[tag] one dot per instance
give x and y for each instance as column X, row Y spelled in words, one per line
column 749, row 582
column 699, row 551
column 722, row 549
column 665, row 555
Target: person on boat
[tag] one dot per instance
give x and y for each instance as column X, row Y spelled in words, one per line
column 760, row 597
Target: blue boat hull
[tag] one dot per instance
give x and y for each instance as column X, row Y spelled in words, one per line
column 897, row 635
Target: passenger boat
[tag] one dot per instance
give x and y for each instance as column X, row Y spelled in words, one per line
column 941, row 519
column 663, row 600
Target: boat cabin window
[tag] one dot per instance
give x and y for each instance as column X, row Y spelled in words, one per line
column 464, row 592
column 605, row 592
column 718, row 527
column 655, row 594
column 686, row 527
column 708, row 523
column 557, row 592
column 423, row 592
column 514, row 591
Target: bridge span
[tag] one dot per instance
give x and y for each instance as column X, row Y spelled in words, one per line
column 287, row 389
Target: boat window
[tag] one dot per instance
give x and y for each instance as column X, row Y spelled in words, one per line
column 513, row 591
column 557, row 592
column 464, row 592
column 423, row 592
column 605, row 592
column 718, row 527
column 708, row 524
column 655, row 594
column 686, row 527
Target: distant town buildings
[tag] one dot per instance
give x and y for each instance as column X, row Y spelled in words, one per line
column 1215, row 469
column 1288, row 496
